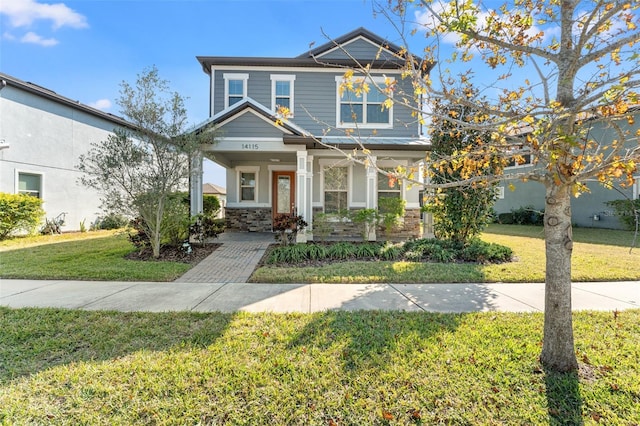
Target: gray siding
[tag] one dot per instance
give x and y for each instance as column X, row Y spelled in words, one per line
column 249, row 125
column 358, row 49
column 315, row 97
column 587, row 205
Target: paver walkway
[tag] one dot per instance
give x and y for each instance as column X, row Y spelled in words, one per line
column 233, row 261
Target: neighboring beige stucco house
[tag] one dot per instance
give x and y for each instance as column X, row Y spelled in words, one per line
column 218, row 191
column 42, row 135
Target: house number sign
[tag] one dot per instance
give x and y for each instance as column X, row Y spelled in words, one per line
column 251, row 146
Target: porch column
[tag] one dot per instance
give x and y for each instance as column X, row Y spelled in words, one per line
column 195, row 184
column 309, row 217
column 301, row 191
column 372, row 195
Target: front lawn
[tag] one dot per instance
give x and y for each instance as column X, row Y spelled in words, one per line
column 330, row 368
column 598, row 255
column 86, row 256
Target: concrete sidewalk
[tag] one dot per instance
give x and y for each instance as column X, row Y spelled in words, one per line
column 230, row 297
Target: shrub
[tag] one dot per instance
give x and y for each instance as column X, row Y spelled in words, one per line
column 19, row 212
column 341, row 250
column 111, row 221
column 483, row 252
column 176, row 220
column 205, row 226
column 321, row 226
column 626, row 211
column 287, row 227
column 390, row 251
column 527, row 215
column 391, row 209
column 210, row 205
column 505, row 218
column 365, row 219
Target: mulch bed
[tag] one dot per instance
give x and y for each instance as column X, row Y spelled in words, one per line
column 176, row 254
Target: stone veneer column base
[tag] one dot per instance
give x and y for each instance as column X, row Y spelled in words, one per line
column 249, row 219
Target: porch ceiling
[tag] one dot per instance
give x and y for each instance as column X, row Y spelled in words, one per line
column 231, row 159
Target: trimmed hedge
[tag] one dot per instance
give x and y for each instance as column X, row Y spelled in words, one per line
column 422, row 250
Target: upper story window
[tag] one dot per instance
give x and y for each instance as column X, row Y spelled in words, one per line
column 363, row 110
column 282, row 92
column 235, row 88
column 30, row 184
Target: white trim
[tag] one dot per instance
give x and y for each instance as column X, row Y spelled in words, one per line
column 297, row 70
column 234, row 76
column 360, row 37
column 16, row 182
column 247, row 169
column 636, row 187
column 364, row 125
column 283, row 77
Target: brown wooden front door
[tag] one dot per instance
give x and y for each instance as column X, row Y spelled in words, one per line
column 284, row 191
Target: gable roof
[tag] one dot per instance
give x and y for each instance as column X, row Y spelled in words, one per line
column 7, row 80
column 212, row 188
column 311, row 58
column 248, row 104
column 349, row 37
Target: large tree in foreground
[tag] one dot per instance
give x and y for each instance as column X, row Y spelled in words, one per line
column 139, row 168
column 564, row 94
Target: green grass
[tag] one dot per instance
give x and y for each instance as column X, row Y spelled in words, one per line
column 350, row 368
column 598, row 255
column 88, row 256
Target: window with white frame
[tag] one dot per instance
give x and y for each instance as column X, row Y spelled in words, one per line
column 235, row 88
column 365, row 109
column 636, row 187
column 388, row 185
column 335, row 181
column 282, row 92
column 248, row 184
column 499, row 192
column 30, row 184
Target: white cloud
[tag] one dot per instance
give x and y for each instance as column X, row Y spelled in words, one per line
column 102, row 104
column 23, row 13
column 34, row 38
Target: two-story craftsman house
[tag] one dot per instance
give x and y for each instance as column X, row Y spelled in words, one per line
column 283, row 164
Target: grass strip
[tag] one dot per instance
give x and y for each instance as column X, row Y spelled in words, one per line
column 368, row 367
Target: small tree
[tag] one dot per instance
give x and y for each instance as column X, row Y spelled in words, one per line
column 462, row 212
column 138, row 168
column 572, row 111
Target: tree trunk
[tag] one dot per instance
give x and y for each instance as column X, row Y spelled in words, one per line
column 558, row 352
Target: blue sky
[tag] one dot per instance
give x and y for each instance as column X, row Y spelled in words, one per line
column 84, row 49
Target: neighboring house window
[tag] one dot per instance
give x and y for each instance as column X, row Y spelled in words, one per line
column 499, row 192
column 388, row 187
column 30, row 184
column 335, row 189
column 235, row 88
column 247, row 184
column 282, row 92
column 364, row 109
column 636, row 187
